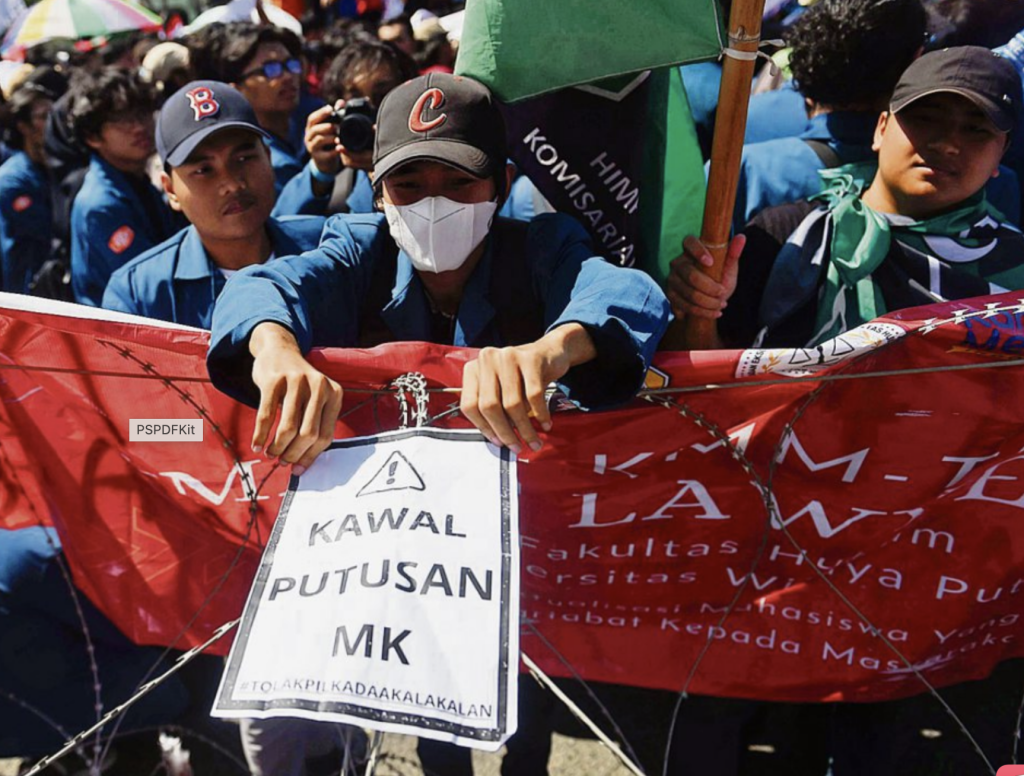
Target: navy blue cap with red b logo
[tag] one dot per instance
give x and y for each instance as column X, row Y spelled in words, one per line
column 195, row 112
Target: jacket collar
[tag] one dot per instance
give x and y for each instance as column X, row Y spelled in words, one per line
column 408, row 312
column 194, row 263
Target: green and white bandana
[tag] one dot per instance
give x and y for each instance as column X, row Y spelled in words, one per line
column 876, row 262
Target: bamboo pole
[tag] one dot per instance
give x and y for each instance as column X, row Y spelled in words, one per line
column 726, row 150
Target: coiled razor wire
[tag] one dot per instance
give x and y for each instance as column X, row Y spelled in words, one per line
column 249, row 488
column 94, row 761
column 414, row 384
column 775, row 519
column 252, row 492
column 182, row 661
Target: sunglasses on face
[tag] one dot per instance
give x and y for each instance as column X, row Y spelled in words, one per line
column 275, row 68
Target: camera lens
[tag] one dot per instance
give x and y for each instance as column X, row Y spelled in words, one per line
column 355, row 124
column 356, row 132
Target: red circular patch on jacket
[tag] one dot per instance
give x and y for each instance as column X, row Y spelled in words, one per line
column 121, row 240
column 22, row 203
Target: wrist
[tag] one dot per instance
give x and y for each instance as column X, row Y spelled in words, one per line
column 572, row 343
column 268, row 335
column 319, row 175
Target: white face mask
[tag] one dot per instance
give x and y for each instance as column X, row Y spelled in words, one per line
column 438, row 234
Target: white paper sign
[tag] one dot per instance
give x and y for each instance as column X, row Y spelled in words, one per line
column 388, row 595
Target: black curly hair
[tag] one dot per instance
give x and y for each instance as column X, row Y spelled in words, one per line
column 204, row 47
column 341, row 33
column 98, row 98
column 851, row 53
column 18, row 110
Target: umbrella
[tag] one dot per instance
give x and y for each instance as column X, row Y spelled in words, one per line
column 50, row 19
column 245, row 11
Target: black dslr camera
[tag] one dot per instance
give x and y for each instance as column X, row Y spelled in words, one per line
column 355, row 124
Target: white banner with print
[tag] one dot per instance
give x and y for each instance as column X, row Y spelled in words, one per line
column 388, row 595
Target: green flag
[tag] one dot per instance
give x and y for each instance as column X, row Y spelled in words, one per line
column 672, row 197
column 522, row 48
column 585, row 149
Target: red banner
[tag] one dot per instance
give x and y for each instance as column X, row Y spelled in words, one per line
column 821, row 519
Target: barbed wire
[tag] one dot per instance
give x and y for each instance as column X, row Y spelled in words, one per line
column 249, row 488
column 47, row 720
column 656, row 396
column 531, row 626
column 91, row 763
column 118, row 710
column 755, row 479
column 577, row 712
column 641, row 394
column 929, row 326
column 770, row 503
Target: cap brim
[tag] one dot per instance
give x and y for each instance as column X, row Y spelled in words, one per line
column 452, row 152
column 180, row 153
column 995, row 113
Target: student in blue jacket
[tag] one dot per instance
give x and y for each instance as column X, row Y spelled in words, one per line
column 217, row 172
column 534, row 296
column 337, row 180
column 436, row 267
column 265, row 64
column 26, row 221
column 118, row 213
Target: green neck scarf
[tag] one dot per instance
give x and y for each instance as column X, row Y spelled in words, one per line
column 861, row 238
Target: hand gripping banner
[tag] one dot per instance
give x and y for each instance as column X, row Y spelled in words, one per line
column 789, row 525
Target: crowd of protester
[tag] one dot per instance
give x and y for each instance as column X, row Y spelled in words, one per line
column 171, row 179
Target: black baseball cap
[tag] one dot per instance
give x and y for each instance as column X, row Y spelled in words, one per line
column 195, row 112
column 441, row 118
column 983, row 77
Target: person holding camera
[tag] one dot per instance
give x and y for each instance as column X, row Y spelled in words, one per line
column 339, row 136
column 264, row 63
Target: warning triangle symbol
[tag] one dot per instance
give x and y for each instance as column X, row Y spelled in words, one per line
column 396, row 474
column 841, row 346
column 802, row 356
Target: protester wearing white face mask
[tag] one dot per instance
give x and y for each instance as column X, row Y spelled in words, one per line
column 438, row 267
column 437, row 234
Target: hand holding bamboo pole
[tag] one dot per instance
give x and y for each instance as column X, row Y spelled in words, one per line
column 740, row 56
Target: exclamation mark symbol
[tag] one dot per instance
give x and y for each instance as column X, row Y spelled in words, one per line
column 391, row 472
